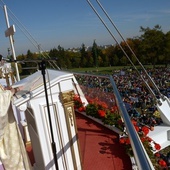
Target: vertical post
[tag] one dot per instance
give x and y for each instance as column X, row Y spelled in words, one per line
column 42, row 67
column 11, row 42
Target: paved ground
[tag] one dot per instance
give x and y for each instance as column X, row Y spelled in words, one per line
column 100, row 147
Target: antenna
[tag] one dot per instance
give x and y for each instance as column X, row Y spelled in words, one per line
column 9, row 33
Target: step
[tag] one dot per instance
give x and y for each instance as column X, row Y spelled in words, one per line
column 161, row 135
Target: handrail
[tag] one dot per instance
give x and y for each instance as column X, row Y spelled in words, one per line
column 142, row 159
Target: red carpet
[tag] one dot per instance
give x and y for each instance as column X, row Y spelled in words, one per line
column 100, row 148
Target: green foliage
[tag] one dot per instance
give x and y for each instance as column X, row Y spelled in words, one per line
column 110, row 119
column 95, row 54
column 83, row 59
column 91, row 109
column 114, row 119
column 152, row 43
column 152, row 47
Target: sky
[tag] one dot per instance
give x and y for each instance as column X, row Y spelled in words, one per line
column 70, row 23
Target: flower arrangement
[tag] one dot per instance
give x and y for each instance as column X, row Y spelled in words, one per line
column 149, row 144
column 100, row 110
column 78, row 104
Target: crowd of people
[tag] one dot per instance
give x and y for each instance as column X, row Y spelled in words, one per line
column 132, row 88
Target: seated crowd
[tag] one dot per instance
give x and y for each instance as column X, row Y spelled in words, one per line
column 138, row 100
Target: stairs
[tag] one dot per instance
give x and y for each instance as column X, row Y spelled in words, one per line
column 161, row 135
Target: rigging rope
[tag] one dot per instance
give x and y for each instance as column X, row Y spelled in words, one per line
column 147, row 85
column 153, row 83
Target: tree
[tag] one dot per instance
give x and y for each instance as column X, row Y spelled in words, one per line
column 123, row 61
column 115, row 60
column 30, row 64
column 74, row 58
column 105, row 60
column 134, row 44
column 120, row 54
column 95, row 54
column 61, row 57
column 152, row 43
column 83, row 58
column 167, row 49
column 59, row 54
column 89, row 61
column 110, row 53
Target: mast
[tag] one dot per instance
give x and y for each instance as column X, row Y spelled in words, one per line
column 9, row 33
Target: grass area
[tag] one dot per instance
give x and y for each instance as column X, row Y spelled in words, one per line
column 99, row 70
column 106, row 70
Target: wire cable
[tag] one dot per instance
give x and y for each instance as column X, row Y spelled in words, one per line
column 147, row 85
column 151, row 80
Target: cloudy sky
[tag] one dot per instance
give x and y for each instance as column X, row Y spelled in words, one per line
column 69, row 23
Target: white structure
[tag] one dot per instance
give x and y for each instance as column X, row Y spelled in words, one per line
column 164, row 109
column 161, row 135
column 61, row 87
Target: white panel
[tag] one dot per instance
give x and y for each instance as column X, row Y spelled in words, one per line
column 164, row 110
column 66, row 85
column 38, row 120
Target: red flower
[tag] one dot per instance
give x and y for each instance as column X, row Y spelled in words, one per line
column 162, row 163
column 143, row 139
column 81, row 109
column 137, row 128
column 157, row 146
column 114, row 109
column 149, row 139
column 102, row 113
column 122, row 140
column 102, row 105
column 157, row 155
column 134, row 122
column 127, row 141
column 120, row 122
column 77, row 98
column 145, row 130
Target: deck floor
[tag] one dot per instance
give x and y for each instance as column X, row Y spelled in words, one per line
column 100, row 148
